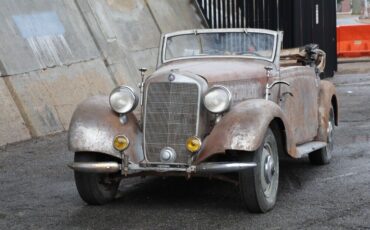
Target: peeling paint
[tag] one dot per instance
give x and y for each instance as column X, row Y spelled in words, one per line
column 242, row 141
column 44, row 33
column 50, row 50
column 39, row 24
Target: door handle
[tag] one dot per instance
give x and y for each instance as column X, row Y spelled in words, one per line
column 275, row 83
column 268, row 87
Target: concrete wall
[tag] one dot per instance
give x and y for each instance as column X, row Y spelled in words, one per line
column 54, row 54
column 38, row 34
column 12, row 125
column 128, row 32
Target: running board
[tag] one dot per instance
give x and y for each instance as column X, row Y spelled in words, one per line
column 305, row 149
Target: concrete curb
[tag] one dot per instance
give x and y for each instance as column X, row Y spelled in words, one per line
column 353, row 67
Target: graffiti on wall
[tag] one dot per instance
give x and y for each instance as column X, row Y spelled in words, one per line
column 44, row 33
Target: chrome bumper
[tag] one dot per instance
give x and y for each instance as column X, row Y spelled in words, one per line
column 203, row 168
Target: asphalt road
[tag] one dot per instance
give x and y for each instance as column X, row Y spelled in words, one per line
column 37, row 190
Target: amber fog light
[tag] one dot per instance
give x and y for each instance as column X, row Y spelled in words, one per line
column 121, row 142
column 193, row 144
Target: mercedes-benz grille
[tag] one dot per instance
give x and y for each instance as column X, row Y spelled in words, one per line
column 171, row 116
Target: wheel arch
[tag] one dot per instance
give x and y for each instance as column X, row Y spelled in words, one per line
column 94, row 126
column 327, row 99
column 278, row 128
column 243, row 129
column 334, row 103
column 98, row 155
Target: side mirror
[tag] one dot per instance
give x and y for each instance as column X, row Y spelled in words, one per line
column 142, row 71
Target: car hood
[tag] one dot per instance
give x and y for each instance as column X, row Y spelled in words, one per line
column 217, row 69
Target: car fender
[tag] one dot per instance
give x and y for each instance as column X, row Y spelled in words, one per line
column 244, row 127
column 94, row 126
column 327, row 98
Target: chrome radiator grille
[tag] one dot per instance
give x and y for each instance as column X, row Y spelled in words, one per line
column 171, row 115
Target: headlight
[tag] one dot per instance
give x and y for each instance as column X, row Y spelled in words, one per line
column 123, row 99
column 217, row 99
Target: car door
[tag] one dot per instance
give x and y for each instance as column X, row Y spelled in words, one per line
column 299, row 101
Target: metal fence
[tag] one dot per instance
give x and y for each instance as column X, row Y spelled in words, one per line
column 303, row 21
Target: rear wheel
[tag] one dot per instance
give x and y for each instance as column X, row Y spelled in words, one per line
column 323, row 156
column 259, row 185
column 95, row 188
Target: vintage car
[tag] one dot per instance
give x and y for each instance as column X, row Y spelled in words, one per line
column 223, row 103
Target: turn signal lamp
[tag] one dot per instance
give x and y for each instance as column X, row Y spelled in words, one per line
column 193, row 144
column 120, row 142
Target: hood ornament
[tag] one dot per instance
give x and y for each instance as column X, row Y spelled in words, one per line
column 171, row 77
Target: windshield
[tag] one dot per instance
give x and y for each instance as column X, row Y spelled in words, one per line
column 242, row 43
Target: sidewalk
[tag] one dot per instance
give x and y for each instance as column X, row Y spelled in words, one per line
column 353, row 66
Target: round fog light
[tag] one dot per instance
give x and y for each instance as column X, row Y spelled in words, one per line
column 120, row 142
column 193, row 144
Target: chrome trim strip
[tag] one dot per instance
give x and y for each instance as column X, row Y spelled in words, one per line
column 223, row 167
column 96, row 167
column 203, row 168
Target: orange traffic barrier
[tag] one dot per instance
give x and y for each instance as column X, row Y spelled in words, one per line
column 353, row 40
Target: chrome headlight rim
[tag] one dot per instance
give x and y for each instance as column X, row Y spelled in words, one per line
column 131, row 93
column 228, row 98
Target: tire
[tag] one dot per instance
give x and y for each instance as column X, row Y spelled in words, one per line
column 323, row 156
column 259, row 186
column 95, row 188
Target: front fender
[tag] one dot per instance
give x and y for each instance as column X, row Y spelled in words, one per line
column 94, row 126
column 244, row 127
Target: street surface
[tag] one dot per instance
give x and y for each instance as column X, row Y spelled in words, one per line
column 37, row 190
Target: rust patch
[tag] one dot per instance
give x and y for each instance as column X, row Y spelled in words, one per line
column 94, row 126
column 301, row 107
column 327, row 91
column 243, row 128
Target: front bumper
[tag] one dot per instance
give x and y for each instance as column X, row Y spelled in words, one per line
column 203, row 168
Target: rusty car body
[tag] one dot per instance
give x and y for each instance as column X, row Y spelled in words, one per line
column 222, row 102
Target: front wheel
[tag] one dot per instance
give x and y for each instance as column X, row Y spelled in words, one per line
column 259, row 185
column 95, row 188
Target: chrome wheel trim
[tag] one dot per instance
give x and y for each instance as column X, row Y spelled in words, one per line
column 269, row 169
column 330, row 133
column 269, row 175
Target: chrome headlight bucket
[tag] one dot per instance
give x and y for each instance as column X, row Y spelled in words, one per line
column 217, row 99
column 123, row 99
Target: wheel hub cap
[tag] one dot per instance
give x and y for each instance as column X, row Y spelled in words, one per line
column 330, row 135
column 269, row 169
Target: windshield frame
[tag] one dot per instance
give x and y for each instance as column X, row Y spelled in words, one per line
column 162, row 55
